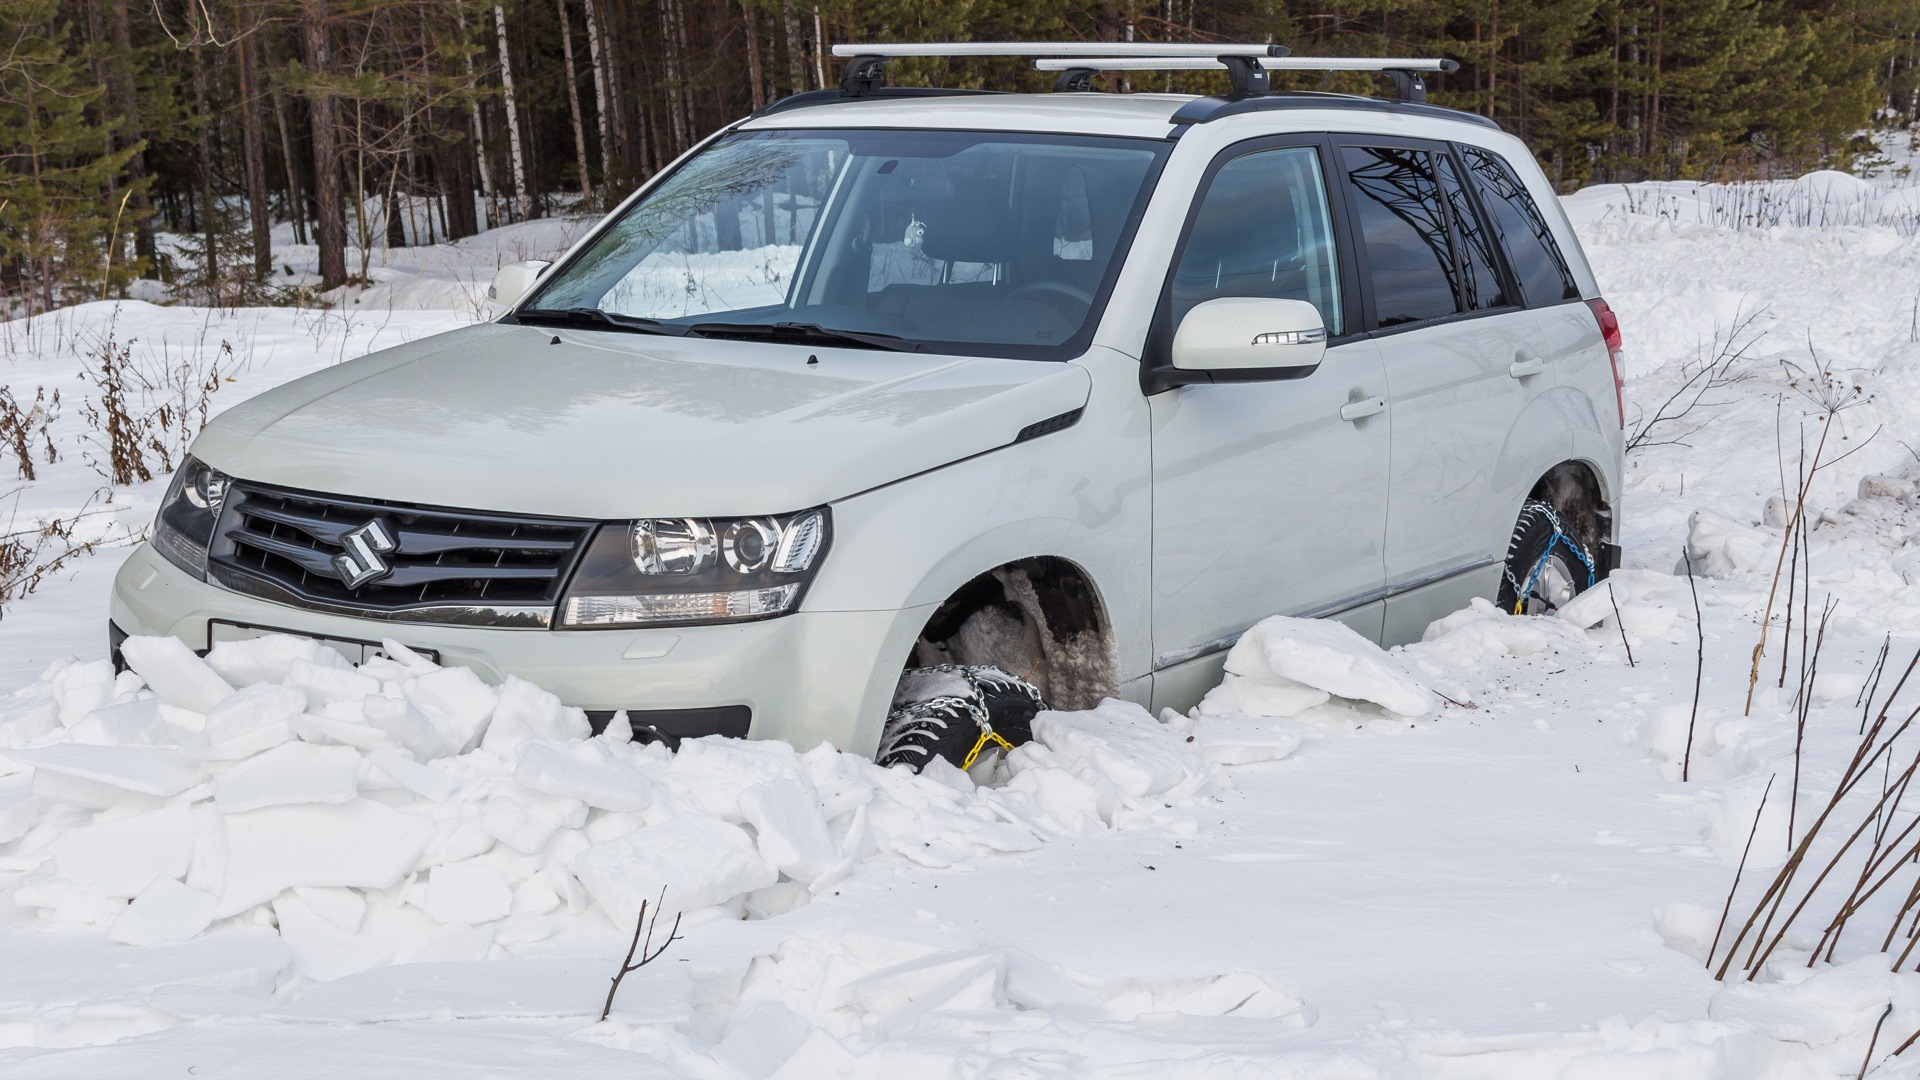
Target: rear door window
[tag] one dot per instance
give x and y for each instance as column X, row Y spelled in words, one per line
column 1403, row 230
column 1479, row 274
column 1531, row 249
column 1263, row 229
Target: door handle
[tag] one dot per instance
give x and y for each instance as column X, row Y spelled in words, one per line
column 1520, row 369
column 1360, row 410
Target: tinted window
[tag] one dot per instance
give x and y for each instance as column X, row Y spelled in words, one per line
column 1263, row 229
column 1404, row 230
column 1531, row 249
column 1479, row 279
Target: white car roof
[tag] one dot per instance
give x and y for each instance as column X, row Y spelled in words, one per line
column 1135, row 115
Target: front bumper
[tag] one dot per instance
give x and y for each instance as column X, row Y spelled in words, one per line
column 809, row 677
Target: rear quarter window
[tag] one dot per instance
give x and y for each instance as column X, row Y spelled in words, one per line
column 1532, row 252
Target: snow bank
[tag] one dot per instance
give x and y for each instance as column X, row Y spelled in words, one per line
column 401, row 811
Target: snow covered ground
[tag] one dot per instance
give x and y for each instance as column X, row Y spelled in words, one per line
column 1472, row 857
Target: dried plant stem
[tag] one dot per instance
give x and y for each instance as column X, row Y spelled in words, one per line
column 648, row 954
column 1699, row 668
column 1621, row 623
column 1875, row 1040
column 1793, row 524
column 1741, row 869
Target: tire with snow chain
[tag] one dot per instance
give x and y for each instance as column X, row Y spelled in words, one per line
column 1546, row 563
column 943, row 712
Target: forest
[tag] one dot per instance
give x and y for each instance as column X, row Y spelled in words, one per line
column 165, row 139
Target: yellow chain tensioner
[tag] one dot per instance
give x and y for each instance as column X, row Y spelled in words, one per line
column 986, row 734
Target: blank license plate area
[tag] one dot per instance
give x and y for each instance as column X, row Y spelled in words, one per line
column 355, row 650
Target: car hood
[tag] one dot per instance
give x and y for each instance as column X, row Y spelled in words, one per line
column 613, row 425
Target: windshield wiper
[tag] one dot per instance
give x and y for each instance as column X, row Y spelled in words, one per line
column 799, row 333
column 590, row 318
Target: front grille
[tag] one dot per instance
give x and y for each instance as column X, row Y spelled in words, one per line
column 499, row 568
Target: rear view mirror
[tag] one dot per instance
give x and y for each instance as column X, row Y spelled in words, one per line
column 512, row 281
column 1251, row 333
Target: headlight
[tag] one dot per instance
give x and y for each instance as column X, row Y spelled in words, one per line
column 661, row 571
column 184, row 526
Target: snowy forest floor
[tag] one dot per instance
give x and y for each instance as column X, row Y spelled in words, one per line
column 1516, row 885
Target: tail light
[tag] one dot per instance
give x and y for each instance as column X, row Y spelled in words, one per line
column 1610, row 331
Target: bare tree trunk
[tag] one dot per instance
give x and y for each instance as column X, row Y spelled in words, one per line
column 676, row 111
column 203, row 154
column 753, row 59
column 600, row 103
column 520, row 205
column 254, row 157
column 819, row 50
column 124, row 98
column 330, row 230
column 573, row 103
column 296, row 196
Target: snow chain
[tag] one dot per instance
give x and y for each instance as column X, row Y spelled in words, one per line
column 1520, row 592
column 987, row 734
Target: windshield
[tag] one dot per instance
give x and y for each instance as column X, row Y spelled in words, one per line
column 983, row 243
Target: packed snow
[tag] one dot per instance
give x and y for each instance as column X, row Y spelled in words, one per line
column 1472, row 856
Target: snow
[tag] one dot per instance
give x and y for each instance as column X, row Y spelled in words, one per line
column 1471, row 856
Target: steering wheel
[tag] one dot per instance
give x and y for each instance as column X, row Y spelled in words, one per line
column 1057, row 295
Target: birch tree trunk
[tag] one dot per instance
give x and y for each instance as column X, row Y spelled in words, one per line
column 479, row 134
column 796, row 67
column 520, row 207
column 602, row 113
column 296, row 198
column 573, row 103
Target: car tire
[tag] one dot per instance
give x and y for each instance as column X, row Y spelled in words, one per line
column 957, row 712
column 1547, row 565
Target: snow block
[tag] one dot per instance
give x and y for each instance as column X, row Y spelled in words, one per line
column 360, row 843
column 323, row 683
column 590, row 771
column 268, row 658
column 1119, row 740
column 457, row 702
column 1328, row 656
column 171, row 669
column 146, row 770
column 404, row 723
column 698, row 861
column 290, row 773
column 467, row 892
column 120, row 858
column 164, row 913
column 526, row 712
column 132, row 723
column 792, row 834
column 249, row 711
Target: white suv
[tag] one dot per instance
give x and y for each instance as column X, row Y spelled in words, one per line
column 1032, row 398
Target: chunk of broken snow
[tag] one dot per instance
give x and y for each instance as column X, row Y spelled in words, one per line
column 1329, row 656
column 268, row 658
column 120, row 857
column 248, row 711
column 164, row 913
column 591, row 771
column 1243, row 739
column 147, row 770
column 1263, row 694
column 175, row 673
column 790, row 831
column 290, row 773
column 457, row 701
column 130, row 723
column 1121, row 741
column 1720, row 547
column 470, row 892
column 423, row 780
column 525, row 712
column 697, row 860
column 361, row 843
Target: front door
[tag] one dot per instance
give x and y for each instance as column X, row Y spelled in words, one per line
column 1269, row 497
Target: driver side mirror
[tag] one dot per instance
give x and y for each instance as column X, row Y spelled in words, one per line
column 512, row 281
column 1248, row 334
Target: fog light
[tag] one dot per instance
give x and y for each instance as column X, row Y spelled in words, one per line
column 678, row 607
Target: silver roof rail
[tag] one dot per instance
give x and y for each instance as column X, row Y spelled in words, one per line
column 1056, row 48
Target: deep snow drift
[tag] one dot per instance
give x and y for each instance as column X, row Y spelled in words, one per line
column 1473, row 856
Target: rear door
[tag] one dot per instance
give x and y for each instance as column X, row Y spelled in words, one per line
column 1460, row 368
column 1266, row 501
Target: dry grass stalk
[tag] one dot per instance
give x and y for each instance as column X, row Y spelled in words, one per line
column 1700, row 666
column 21, row 428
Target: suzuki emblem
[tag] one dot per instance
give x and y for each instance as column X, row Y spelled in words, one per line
column 361, row 562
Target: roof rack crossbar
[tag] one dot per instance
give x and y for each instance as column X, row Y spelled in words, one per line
column 1408, row 85
column 1060, row 49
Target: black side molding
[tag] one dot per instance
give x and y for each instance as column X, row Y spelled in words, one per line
column 669, row 726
